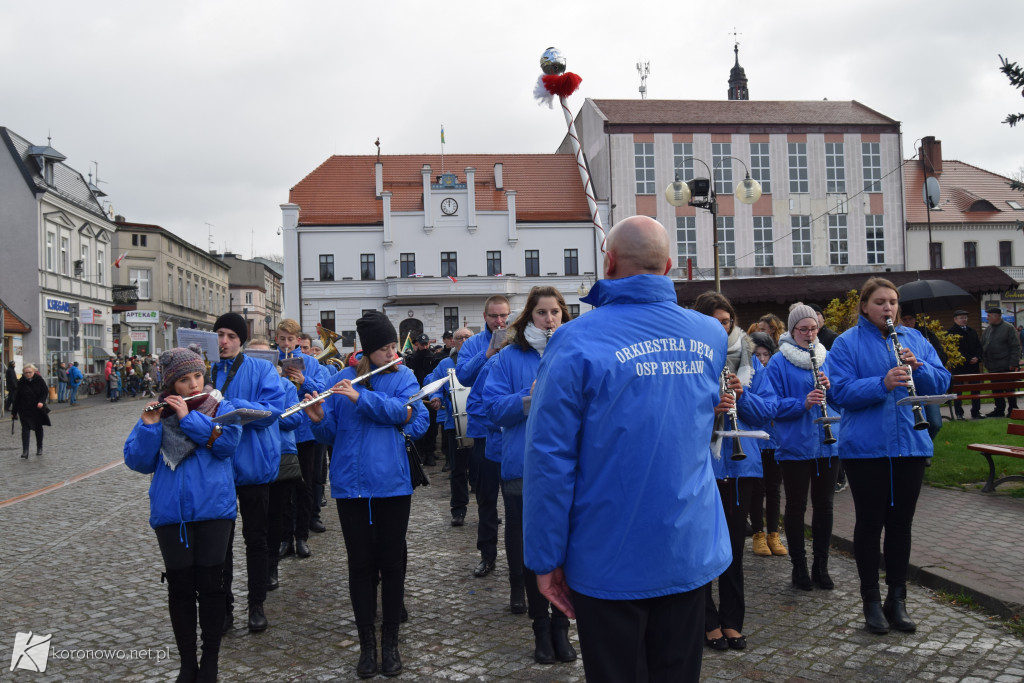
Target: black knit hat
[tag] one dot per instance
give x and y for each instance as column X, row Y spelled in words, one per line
column 765, row 340
column 235, row 323
column 375, row 331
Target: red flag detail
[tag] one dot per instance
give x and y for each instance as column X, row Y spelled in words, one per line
column 452, row 279
column 562, row 85
column 117, row 263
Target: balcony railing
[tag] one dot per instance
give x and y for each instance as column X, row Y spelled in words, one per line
column 126, row 295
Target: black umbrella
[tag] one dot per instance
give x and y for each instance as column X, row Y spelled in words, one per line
column 923, row 296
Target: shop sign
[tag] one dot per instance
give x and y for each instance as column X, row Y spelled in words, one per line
column 142, row 317
column 139, row 336
column 58, row 306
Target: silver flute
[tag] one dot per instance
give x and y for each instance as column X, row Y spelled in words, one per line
column 163, row 404
column 326, row 394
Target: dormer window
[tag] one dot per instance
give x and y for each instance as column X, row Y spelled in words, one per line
column 45, row 157
column 1014, row 205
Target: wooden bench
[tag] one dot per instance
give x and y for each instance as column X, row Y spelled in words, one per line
column 986, row 385
column 990, row 449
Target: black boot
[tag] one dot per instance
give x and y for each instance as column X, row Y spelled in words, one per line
column 543, row 651
column 367, row 666
column 24, row 454
column 895, row 609
column 801, row 579
column 257, row 619
column 390, row 661
column 210, row 586
column 564, row 651
column 517, row 598
column 272, row 580
column 874, row 617
column 181, row 603
column 819, row 574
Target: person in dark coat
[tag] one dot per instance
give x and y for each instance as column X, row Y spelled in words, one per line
column 11, row 377
column 29, row 403
column 825, row 335
column 1000, row 352
column 970, row 349
column 422, row 362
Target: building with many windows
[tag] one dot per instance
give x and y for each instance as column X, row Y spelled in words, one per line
column 178, row 284
column 256, row 293
column 829, row 171
column 427, row 239
column 55, row 269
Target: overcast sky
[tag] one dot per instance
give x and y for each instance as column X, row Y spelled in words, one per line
column 209, row 111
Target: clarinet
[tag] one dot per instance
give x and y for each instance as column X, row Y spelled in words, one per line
column 737, row 447
column 818, row 384
column 919, row 420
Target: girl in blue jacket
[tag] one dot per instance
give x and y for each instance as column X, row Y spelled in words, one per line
column 371, row 482
column 192, row 501
column 806, row 461
column 507, row 396
column 723, row 625
column 883, row 454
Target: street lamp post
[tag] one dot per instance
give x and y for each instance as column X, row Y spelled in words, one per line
column 700, row 193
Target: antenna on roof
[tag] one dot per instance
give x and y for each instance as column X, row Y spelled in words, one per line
column 98, row 181
column 644, row 69
column 209, row 235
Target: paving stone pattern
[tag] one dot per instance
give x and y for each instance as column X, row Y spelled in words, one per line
column 81, row 562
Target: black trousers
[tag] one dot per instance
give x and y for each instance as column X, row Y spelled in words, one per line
column 958, row 406
column 374, row 531
column 279, row 518
column 885, row 492
column 657, row 640
column 305, row 489
column 765, row 499
column 820, row 476
column 458, row 474
column 253, row 507
column 518, row 573
column 206, row 546
column 731, row 608
column 426, row 445
column 26, row 431
column 488, row 481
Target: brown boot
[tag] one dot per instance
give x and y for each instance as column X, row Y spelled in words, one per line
column 775, row 544
column 760, row 545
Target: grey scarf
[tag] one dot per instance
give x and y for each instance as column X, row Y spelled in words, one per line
column 175, row 446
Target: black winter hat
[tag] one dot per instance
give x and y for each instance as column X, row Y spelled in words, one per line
column 235, row 323
column 765, row 340
column 375, row 331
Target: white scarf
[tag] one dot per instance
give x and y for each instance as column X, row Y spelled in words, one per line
column 536, row 337
column 799, row 356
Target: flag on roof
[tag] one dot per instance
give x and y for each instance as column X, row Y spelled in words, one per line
column 442, row 133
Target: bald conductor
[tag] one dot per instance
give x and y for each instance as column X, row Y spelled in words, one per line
column 622, row 520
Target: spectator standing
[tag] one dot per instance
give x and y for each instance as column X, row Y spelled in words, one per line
column 75, row 378
column 970, row 348
column 1001, row 352
column 11, row 379
column 62, row 382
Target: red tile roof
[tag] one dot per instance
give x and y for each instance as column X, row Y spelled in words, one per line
column 13, row 322
column 741, row 112
column 341, row 191
column 968, row 195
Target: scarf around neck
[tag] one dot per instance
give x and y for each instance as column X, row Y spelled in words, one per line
column 798, row 355
column 175, row 446
column 536, row 338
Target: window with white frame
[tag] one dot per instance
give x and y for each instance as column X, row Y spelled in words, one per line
column 248, row 298
column 51, row 251
column 759, row 166
column 726, row 242
column 494, row 263
column 101, row 268
column 970, row 254
column 721, row 162
column 532, row 262
column 571, row 260
column 643, row 160
column 764, row 254
column 170, row 288
column 686, row 240
column 835, row 168
column 141, row 278
column 873, row 229
column 838, row 244
column 84, row 274
column 871, row 155
column 65, row 255
column 195, row 295
column 801, row 239
column 798, row 183
column 367, row 266
column 408, row 263
column 181, row 291
column 91, row 334
column 682, row 160
column 449, row 264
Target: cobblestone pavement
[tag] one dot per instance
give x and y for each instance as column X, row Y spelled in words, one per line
column 81, row 563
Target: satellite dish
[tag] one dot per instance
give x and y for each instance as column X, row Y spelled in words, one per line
column 931, row 192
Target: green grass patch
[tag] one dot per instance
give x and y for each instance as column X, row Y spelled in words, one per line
column 955, row 465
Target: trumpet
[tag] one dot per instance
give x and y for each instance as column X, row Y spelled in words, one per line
column 163, row 404
column 737, row 447
column 919, row 420
column 316, row 399
column 824, row 420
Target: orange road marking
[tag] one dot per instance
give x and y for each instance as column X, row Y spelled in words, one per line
column 59, row 484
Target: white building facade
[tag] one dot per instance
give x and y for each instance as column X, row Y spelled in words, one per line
column 427, row 247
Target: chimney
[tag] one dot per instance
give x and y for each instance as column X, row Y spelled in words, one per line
column 499, row 177
column 931, row 155
column 378, row 169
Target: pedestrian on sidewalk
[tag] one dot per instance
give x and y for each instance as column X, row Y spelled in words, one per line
column 799, row 376
column 883, row 454
column 735, row 472
column 62, row 382
column 30, row 407
column 766, row 498
column 371, row 482
column 11, row 381
column 508, row 396
column 75, row 378
column 191, row 502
